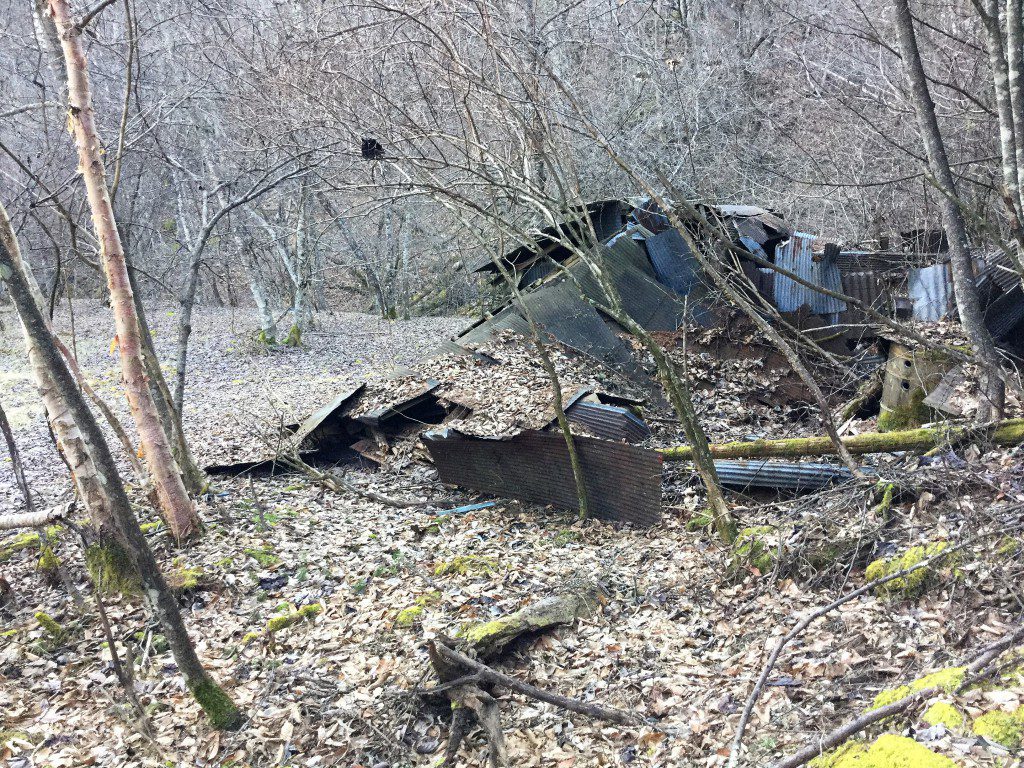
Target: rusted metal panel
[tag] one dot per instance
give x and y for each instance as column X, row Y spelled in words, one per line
column 609, row 422
column 796, row 256
column 623, row 482
column 931, row 290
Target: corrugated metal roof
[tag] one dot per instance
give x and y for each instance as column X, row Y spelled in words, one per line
column 507, row 318
column 380, row 416
column 562, row 312
column 674, row 263
column 999, row 268
column 623, row 482
column 1005, row 313
column 780, row 475
column 795, row 255
column 931, row 290
column 609, row 422
column 866, row 287
column 643, row 298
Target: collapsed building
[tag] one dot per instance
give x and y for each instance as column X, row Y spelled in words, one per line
column 481, row 412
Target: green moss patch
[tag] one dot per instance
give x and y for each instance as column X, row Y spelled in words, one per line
column 1001, row 727
column 465, row 565
column 888, row 751
column 946, row 680
column 944, row 713
column 111, row 569
column 278, row 623
column 264, row 556
column 912, row 584
column 413, row 614
column 753, row 549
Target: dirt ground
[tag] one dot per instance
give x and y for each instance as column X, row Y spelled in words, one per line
column 680, row 641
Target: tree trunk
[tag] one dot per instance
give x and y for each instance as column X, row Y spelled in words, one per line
column 1015, row 78
column 964, row 286
column 104, row 494
column 176, row 505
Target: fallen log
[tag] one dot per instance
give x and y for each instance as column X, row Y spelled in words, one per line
column 488, row 639
column 1004, row 434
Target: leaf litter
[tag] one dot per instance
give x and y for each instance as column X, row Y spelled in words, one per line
column 678, row 641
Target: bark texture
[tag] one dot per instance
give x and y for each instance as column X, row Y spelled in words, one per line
column 175, row 503
column 964, row 285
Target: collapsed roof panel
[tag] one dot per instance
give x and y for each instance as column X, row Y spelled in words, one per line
column 562, row 312
column 623, row 482
column 796, row 256
column 605, row 216
column 1005, row 313
column 328, row 424
column 673, row 261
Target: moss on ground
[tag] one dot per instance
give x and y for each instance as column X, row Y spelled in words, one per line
column 264, row 556
column 278, row 623
column 751, row 549
column 944, row 713
column 887, row 751
column 413, row 614
column 946, row 680
column 465, row 565
column 700, row 521
column 912, row 584
column 1001, row 727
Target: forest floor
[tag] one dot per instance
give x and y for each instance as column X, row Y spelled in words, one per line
column 680, row 641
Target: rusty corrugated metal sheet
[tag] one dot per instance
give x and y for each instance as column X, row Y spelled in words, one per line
column 866, row 287
column 609, row 422
column 795, row 255
column 931, row 290
column 623, row 482
column 561, row 312
column 780, row 475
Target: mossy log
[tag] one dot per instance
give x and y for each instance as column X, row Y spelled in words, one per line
column 1005, row 434
column 489, row 638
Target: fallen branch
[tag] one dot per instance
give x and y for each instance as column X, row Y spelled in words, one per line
column 335, row 482
column 488, row 675
column 837, row 736
column 490, row 638
column 29, row 519
column 1005, row 434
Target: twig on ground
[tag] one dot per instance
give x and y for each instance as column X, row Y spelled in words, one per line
column 492, row 676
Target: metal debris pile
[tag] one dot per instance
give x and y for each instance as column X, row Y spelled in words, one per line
column 479, row 407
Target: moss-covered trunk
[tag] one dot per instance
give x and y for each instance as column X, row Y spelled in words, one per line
column 1005, row 434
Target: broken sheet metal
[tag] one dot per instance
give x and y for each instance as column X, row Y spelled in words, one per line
column 797, row 256
column 674, row 263
column 623, row 482
column 609, row 422
column 931, row 290
column 329, row 425
column 561, row 312
column 1004, row 314
column 780, row 475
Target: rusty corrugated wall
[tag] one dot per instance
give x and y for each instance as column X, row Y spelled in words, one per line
column 623, row 482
